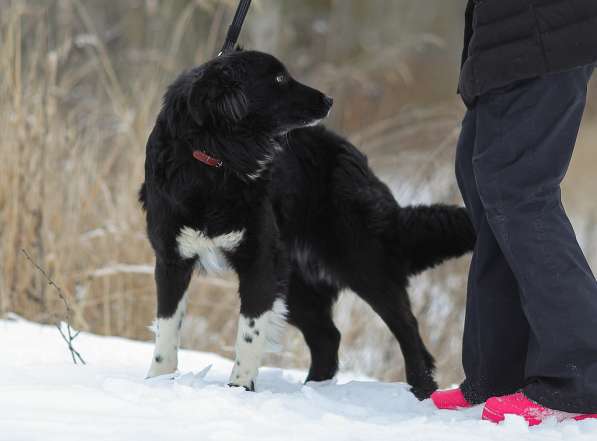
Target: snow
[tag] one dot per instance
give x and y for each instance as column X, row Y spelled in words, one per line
column 43, row 396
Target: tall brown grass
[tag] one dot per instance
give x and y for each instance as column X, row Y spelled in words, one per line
column 80, row 86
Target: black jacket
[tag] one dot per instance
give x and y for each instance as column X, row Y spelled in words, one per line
column 510, row 40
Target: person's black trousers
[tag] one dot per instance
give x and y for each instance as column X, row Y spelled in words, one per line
column 531, row 314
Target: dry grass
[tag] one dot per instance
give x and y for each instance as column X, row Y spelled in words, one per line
column 79, row 90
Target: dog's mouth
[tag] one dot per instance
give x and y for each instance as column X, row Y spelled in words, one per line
column 316, row 121
column 310, row 122
column 313, row 122
column 302, row 123
column 310, row 118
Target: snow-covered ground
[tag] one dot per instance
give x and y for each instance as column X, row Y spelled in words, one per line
column 43, row 396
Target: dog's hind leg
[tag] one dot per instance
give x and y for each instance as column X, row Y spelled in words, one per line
column 172, row 281
column 428, row 235
column 393, row 306
column 310, row 310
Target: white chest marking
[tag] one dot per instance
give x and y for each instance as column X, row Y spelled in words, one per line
column 208, row 250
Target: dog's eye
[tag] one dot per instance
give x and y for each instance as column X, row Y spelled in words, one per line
column 281, row 79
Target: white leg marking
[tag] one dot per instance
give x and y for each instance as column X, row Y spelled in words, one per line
column 254, row 337
column 167, row 333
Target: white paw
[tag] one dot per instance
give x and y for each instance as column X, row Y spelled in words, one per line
column 162, row 366
column 243, row 377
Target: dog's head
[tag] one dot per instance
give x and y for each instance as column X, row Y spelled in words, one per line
column 249, row 89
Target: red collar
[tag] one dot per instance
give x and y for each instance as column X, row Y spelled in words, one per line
column 206, row 159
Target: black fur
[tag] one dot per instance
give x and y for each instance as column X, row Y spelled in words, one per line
column 316, row 218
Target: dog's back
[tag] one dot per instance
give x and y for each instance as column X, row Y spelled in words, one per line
column 323, row 189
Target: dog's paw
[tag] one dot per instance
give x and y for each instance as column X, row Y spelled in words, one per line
column 160, row 366
column 422, row 393
column 321, row 375
column 249, row 388
column 243, row 375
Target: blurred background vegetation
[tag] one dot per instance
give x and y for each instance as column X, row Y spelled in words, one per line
column 80, row 86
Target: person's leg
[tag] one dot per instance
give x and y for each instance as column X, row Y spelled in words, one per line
column 525, row 138
column 496, row 331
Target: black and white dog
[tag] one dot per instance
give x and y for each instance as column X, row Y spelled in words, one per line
column 239, row 176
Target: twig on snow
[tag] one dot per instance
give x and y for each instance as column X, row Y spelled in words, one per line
column 69, row 336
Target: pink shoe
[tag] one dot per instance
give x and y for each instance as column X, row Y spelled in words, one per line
column 497, row 408
column 451, row 399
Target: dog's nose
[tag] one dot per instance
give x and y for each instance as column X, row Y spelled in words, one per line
column 329, row 101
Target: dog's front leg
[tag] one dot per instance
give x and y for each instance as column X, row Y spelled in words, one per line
column 172, row 280
column 262, row 319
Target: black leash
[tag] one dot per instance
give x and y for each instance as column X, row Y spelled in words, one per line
column 236, row 26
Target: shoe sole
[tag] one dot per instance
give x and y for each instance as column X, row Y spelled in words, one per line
column 491, row 415
column 496, row 417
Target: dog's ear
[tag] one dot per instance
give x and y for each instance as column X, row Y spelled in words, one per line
column 216, row 95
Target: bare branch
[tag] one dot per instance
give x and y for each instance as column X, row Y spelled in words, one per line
column 69, row 337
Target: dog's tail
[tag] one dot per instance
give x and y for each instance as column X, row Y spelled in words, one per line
column 431, row 234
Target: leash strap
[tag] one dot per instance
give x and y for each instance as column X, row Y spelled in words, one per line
column 229, row 43
column 236, row 26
